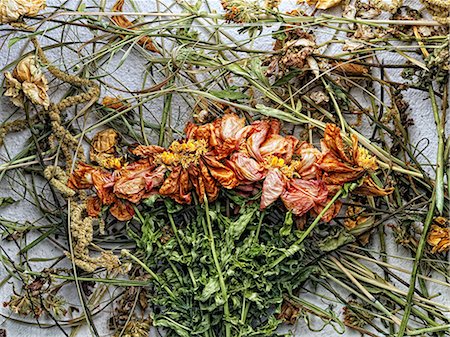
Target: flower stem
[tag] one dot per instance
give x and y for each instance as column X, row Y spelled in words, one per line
column 148, row 270
column 440, row 161
column 223, row 287
column 295, row 247
column 415, row 269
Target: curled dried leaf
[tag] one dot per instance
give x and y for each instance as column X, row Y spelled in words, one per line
column 123, row 22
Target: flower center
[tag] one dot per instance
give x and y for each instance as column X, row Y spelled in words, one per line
column 184, row 153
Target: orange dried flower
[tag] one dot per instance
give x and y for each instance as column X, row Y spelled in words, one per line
column 439, row 235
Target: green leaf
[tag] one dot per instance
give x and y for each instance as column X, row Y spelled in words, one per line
column 282, row 115
column 5, row 201
column 14, row 40
column 287, row 226
column 230, row 94
column 333, row 242
column 210, row 289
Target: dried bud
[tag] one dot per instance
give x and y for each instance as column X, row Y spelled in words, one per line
column 27, row 81
column 13, row 10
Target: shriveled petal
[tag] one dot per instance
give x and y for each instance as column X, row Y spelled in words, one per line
column 130, row 189
column 105, row 141
column 176, row 186
column 147, row 151
column 333, row 142
column 309, row 155
column 274, row 145
column 273, row 186
column 257, row 138
column 230, row 125
column 93, row 206
column 81, row 177
column 104, row 183
column 207, row 132
column 369, row 188
column 224, row 175
column 302, row 195
column 122, row 210
column 246, row 169
column 330, row 213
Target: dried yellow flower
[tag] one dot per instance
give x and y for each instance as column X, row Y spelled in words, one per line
column 103, row 149
column 439, row 236
column 13, row 10
column 27, row 81
column 324, row 4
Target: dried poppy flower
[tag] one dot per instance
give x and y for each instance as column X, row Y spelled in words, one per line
column 439, row 235
column 302, row 195
column 340, row 163
column 13, row 10
column 123, row 22
column 138, row 181
column 27, row 81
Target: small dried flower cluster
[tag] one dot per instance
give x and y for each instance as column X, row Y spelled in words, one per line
column 36, row 299
column 242, row 11
column 439, row 235
column 228, row 154
column 27, row 81
column 13, row 10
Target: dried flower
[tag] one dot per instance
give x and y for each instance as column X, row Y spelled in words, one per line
column 289, row 313
column 439, row 235
column 13, row 10
column 103, row 149
column 27, row 81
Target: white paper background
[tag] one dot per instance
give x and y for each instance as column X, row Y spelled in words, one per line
column 131, row 75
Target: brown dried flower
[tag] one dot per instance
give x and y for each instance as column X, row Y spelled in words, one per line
column 439, row 235
column 27, row 81
column 103, row 149
column 289, row 313
column 13, row 10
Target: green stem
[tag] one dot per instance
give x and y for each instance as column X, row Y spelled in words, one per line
column 223, row 287
column 295, row 247
column 148, row 270
column 415, row 269
column 183, row 250
column 440, row 161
